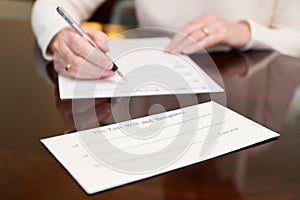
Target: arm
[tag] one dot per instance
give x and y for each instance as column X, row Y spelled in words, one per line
column 72, row 55
column 283, row 35
column 46, row 22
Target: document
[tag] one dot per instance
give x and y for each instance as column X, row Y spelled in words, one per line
column 148, row 71
column 117, row 154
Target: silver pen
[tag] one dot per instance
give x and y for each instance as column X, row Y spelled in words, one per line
column 79, row 30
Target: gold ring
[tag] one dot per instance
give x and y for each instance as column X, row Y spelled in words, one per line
column 205, row 31
column 68, row 67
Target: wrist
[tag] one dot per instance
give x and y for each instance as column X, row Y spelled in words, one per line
column 244, row 34
column 50, row 48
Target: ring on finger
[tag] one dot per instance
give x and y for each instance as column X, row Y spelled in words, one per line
column 205, row 31
column 68, row 67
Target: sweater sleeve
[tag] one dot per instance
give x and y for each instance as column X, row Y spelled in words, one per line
column 46, row 22
column 283, row 34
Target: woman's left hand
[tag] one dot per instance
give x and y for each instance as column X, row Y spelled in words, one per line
column 209, row 30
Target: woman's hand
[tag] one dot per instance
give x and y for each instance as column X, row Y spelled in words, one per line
column 209, row 30
column 74, row 57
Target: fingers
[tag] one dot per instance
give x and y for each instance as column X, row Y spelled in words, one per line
column 181, row 39
column 86, row 62
column 98, row 37
column 204, row 32
column 196, row 41
column 188, row 33
column 189, row 40
column 80, row 47
column 203, row 41
column 81, row 71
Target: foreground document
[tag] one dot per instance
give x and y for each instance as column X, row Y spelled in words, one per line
column 113, row 155
column 148, row 71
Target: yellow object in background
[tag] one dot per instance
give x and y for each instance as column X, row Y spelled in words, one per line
column 95, row 25
column 112, row 30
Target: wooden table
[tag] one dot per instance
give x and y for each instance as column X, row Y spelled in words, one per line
column 262, row 86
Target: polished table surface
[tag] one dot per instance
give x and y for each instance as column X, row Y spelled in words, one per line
column 263, row 86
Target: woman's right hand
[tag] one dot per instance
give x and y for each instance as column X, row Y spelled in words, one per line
column 75, row 57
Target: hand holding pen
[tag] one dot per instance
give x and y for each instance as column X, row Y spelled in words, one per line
column 80, row 53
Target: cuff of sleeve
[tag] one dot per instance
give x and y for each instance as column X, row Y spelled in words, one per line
column 257, row 37
column 45, row 30
column 44, row 41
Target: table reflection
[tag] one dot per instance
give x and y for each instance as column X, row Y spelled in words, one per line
column 258, row 85
column 255, row 83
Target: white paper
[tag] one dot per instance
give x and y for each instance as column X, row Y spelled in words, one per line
column 133, row 54
column 94, row 175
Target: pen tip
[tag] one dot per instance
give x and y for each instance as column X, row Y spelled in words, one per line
column 121, row 75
